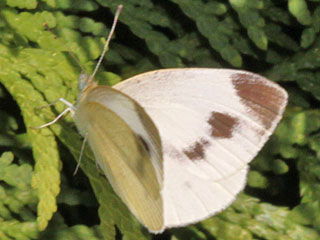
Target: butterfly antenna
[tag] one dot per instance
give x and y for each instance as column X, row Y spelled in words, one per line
column 115, row 20
column 70, row 53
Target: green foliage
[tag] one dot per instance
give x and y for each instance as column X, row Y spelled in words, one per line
column 17, row 200
column 299, row 9
column 41, row 200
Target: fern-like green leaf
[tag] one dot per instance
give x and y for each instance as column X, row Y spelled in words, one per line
column 46, row 177
column 277, row 39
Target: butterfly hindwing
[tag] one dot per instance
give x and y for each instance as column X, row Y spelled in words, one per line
column 124, row 151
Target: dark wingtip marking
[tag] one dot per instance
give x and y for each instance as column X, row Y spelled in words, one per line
column 222, row 125
column 264, row 99
column 197, row 150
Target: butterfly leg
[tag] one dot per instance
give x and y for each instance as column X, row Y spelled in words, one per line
column 59, row 100
column 56, row 119
column 81, row 153
column 70, row 108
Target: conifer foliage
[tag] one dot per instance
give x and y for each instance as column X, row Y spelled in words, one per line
column 40, row 198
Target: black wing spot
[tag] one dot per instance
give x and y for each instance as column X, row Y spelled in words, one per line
column 144, row 143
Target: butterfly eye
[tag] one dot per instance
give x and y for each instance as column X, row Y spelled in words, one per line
column 83, row 80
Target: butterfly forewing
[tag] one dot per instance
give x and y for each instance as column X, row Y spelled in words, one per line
column 123, row 153
column 211, row 123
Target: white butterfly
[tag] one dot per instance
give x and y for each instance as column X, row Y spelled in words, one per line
column 175, row 144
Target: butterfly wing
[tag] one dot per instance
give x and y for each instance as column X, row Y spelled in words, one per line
column 211, row 122
column 126, row 146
